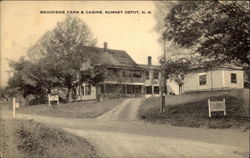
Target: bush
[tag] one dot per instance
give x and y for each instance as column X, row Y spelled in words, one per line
column 39, row 100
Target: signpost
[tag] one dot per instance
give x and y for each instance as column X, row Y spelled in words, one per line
column 53, row 98
column 216, row 106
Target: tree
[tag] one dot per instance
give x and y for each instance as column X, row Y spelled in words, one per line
column 60, row 50
column 20, row 81
column 218, row 30
column 30, row 78
column 93, row 76
column 18, row 84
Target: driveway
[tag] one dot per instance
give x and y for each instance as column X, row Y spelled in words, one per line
column 118, row 134
column 127, row 110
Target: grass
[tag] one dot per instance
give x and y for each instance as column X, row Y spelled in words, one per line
column 193, row 112
column 23, row 139
column 198, row 96
column 87, row 109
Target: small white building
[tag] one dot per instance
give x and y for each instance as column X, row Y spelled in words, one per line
column 217, row 79
column 86, row 92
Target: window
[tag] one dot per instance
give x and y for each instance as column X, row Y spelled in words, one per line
column 88, row 89
column 148, row 89
column 156, row 89
column 156, row 74
column 233, row 78
column 113, row 73
column 130, row 89
column 147, row 74
column 123, row 89
column 124, row 73
column 137, row 74
column 137, row 89
column 203, row 79
column 130, row 73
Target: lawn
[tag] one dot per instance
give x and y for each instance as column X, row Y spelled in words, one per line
column 184, row 110
column 24, row 139
column 83, row 109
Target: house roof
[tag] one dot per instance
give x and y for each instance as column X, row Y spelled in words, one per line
column 209, row 65
column 109, row 57
column 216, row 68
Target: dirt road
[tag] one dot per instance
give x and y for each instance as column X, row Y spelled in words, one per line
column 127, row 110
column 117, row 134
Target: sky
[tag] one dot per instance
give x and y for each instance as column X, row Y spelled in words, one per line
column 22, row 25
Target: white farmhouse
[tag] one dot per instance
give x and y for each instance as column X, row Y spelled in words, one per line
column 217, row 79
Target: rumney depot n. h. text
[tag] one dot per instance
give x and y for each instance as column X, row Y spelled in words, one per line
column 94, row 12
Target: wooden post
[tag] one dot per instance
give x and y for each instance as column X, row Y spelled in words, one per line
column 14, row 107
column 209, row 111
column 162, row 102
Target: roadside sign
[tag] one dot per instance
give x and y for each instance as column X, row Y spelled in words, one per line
column 216, row 106
column 17, row 104
column 53, row 98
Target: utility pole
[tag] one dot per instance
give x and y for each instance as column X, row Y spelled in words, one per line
column 164, row 91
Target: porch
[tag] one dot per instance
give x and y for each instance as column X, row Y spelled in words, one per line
column 108, row 90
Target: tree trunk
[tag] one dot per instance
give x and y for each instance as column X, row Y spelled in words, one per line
column 69, row 95
column 98, row 93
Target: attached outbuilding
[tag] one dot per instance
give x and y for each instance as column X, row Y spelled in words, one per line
column 221, row 78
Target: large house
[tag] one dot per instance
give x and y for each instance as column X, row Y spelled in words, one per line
column 126, row 78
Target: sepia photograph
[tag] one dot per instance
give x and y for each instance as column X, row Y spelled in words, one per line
column 124, row 79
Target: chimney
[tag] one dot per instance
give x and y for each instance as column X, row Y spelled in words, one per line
column 105, row 46
column 149, row 60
